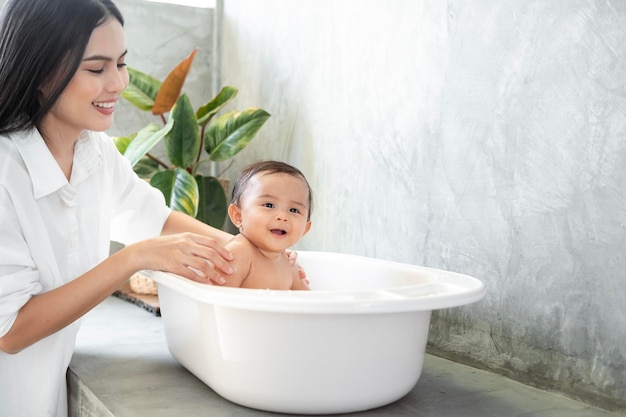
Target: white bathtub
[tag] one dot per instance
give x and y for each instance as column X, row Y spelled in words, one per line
column 355, row 342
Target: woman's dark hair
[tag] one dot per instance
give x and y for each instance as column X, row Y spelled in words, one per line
column 267, row 167
column 43, row 42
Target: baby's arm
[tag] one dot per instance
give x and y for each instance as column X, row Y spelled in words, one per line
column 298, row 283
column 241, row 263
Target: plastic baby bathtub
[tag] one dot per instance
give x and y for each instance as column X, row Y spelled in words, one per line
column 355, row 342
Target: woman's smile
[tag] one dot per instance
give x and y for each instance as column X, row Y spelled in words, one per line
column 105, row 107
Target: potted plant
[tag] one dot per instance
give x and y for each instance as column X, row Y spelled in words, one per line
column 191, row 138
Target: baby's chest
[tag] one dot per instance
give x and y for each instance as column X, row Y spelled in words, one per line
column 275, row 276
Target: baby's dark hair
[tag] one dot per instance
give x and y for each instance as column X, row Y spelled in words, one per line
column 267, row 167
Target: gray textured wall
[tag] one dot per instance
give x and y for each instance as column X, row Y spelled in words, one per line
column 481, row 137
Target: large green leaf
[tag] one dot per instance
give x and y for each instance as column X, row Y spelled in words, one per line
column 122, row 142
column 205, row 113
column 142, row 89
column 212, row 205
column 182, row 143
column 231, row 132
column 146, row 168
column 145, row 140
column 179, row 188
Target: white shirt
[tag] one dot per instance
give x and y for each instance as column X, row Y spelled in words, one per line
column 52, row 231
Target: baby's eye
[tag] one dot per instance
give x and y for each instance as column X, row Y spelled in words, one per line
column 268, row 205
column 294, row 210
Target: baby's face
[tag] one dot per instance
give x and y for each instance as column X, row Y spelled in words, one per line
column 274, row 211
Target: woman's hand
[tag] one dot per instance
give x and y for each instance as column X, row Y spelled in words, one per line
column 193, row 256
column 293, row 261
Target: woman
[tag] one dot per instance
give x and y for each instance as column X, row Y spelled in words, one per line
column 65, row 192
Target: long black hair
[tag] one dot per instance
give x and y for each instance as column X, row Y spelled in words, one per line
column 43, row 42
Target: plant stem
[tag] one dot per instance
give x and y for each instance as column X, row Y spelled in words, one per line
column 199, row 150
column 157, row 160
column 224, row 170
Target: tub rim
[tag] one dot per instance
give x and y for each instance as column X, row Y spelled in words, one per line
column 443, row 289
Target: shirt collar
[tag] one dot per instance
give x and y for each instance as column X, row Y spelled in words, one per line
column 46, row 175
column 87, row 157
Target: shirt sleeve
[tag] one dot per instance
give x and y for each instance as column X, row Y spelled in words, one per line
column 19, row 280
column 139, row 210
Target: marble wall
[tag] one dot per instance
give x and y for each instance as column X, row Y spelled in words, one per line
column 481, row 137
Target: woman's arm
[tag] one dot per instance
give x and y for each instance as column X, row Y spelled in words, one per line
column 217, row 265
column 49, row 312
column 181, row 253
column 178, row 222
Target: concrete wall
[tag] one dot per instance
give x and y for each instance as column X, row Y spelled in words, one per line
column 158, row 37
column 481, row 137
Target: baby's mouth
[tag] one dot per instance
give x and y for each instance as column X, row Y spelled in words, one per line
column 278, row 232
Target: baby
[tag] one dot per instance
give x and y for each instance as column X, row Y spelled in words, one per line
column 271, row 207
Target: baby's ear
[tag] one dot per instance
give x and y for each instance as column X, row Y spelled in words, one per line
column 307, row 228
column 234, row 212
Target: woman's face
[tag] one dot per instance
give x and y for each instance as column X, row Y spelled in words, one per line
column 88, row 102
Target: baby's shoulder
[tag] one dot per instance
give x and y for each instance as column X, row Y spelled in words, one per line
column 240, row 243
column 243, row 251
column 242, row 260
